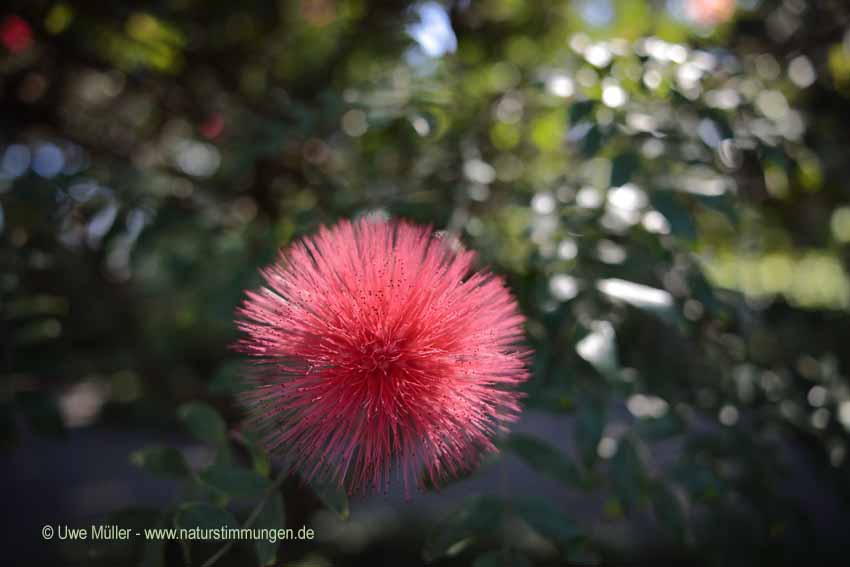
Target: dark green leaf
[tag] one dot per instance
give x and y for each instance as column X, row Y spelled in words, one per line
column 677, row 215
column 203, row 422
column 153, row 550
column 591, row 142
column 664, row 427
column 723, row 204
column 590, row 423
column 547, row 520
column 161, row 461
column 223, row 455
column 204, row 516
column 543, row 457
column 699, row 481
column 334, row 497
column 479, row 515
column 235, row 481
column 271, row 517
column 485, row 462
column 259, row 458
column 228, row 380
column 668, row 511
column 627, row 475
column 581, row 110
column 623, row 168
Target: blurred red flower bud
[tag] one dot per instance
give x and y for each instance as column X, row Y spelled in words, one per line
column 15, row 34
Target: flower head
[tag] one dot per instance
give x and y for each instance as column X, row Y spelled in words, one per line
column 381, row 351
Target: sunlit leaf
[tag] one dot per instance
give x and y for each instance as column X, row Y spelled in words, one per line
column 653, row 300
column 599, row 348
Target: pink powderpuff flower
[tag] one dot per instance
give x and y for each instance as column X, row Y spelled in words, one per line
column 380, row 349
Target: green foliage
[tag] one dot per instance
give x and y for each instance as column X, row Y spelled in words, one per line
column 203, row 422
column 477, row 518
column 234, row 481
column 203, row 516
column 545, row 518
column 589, row 426
column 162, row 461
column 271, row 516
column 669, row 204
column 623, row 167
column 668, row 511
column 627, row 475
column 544, row 458
column 259, row 457
column 209, row 494
column 334, row 497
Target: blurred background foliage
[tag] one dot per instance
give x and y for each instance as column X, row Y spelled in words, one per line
column 662, row 182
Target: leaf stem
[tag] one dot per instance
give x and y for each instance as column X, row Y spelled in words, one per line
column 252, row 517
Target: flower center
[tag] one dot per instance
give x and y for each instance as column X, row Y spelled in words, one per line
column 379, row 357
